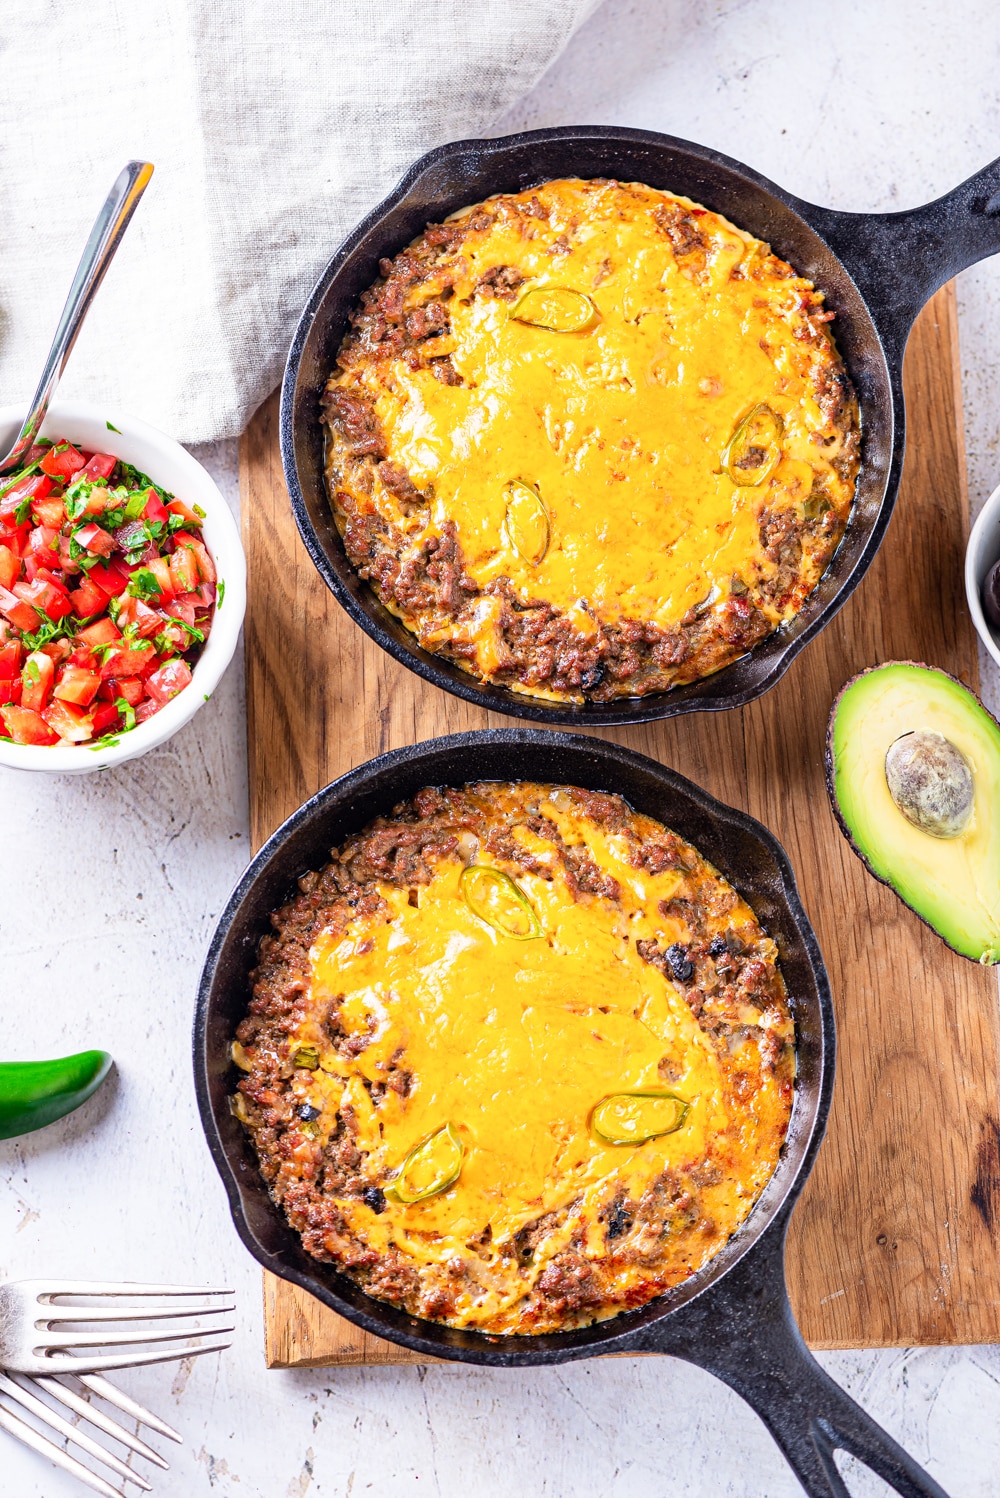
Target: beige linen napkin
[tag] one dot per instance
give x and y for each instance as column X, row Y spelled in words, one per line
column 274, row 125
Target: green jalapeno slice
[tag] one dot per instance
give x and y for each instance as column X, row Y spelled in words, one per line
column 431, row 1166
column 557, row 308
column 493, row 896
column 307, row 1056
column 635, row 1116
column 527, row 522
column 754, row 449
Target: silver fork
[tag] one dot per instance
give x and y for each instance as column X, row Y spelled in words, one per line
column 40, row 1336
column 24, row 1394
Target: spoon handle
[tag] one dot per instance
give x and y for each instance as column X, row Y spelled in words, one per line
column 105, row 237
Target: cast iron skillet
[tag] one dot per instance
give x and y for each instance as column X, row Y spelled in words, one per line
column 732, row 1318
column 877, row 271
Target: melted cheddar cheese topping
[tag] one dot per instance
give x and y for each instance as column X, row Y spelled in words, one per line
column 513, row 1042
column 620, row 427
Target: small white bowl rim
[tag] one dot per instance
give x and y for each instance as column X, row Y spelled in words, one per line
column 63, row 419
column 981, row 552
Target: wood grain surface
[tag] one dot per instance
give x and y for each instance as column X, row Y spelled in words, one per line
column 894, row 1241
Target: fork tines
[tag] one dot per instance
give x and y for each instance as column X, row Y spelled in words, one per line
column 199, row 1323
column 23, row 1394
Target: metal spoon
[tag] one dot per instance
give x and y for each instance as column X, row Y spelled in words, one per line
column 105, row 237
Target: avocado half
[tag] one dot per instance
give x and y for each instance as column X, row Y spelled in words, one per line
column 951, row 880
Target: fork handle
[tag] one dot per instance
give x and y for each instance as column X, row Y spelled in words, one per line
column 105, row 237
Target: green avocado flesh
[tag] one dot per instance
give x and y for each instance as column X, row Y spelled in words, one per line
column 951, row 879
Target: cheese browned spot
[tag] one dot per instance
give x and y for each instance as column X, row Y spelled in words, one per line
column 596, row 345
column 393, row 1004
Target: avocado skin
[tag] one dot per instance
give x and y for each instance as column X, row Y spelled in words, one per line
column 835, row 805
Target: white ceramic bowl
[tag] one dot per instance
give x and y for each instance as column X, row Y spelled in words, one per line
column 94, row 427
column 981, row 553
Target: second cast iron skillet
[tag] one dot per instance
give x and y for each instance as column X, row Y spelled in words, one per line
column 876, row 271
column 732, row 1317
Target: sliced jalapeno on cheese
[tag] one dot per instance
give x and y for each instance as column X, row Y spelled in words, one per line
column 494, row 897
column 557, row 308
column 527, row 522
column 431, row 1166
column 307, row 1056
column 633, row 1117
column 754, row 449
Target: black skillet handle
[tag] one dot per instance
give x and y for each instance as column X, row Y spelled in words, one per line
column 743, row 1331
column 900, row 259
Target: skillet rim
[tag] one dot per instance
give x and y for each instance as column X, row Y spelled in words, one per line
column 629, row 1330
column 776, row 652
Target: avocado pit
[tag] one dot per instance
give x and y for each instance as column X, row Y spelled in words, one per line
column 930, row 781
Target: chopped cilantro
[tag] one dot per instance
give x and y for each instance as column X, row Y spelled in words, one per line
column 175, row 523
column 103, row 651
column 137, row 503
column 108, row 742
column 144, row 584
column 136, row 479
column 192, row 630
column 114, row 608
column 112, row 428
column 127, row 711
column 32, row 672
column 50, row 629
column 23, row 511
column 220, row 593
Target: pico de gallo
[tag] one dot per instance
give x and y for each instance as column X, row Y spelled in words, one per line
column 107, row 596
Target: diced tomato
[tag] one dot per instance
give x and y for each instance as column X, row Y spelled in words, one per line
column 146, row 620
column 58, row 651
column 104, row 717
column 10, row 567
column 100, row 466
column 37, row 486
column 147, row 709
column 53, row 601
column 206, row 567
column 66, row 562
column 101, row 632
column 96, row 502
column 127, row 661
column 181, row 608
column 53, row 578
column 10, row 689
column 88, row 599
column 25, row 726
column 62, row 461
column 111, row 576
column 169, row 680
column 206, row 595
column 20, row 614
column 42, row 549
column 14, row 537
column 178, row 507
column 160, row 568
column 10, row 658
column 129, row 687
column 154, row 509
column 36, row 680
column 73, row 724
column 49, row 512
column 99, row 542
column 184, row 570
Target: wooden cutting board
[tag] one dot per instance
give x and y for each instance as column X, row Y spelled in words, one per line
column 894, row 1242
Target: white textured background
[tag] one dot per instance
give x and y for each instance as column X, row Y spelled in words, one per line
column 109, row 889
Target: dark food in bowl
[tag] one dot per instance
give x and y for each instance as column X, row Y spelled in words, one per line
column 107, row 596
column 590, row 440
column 991, row 596
column 517, row 1059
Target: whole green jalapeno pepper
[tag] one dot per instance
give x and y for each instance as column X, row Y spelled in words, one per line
column 36, row 1093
